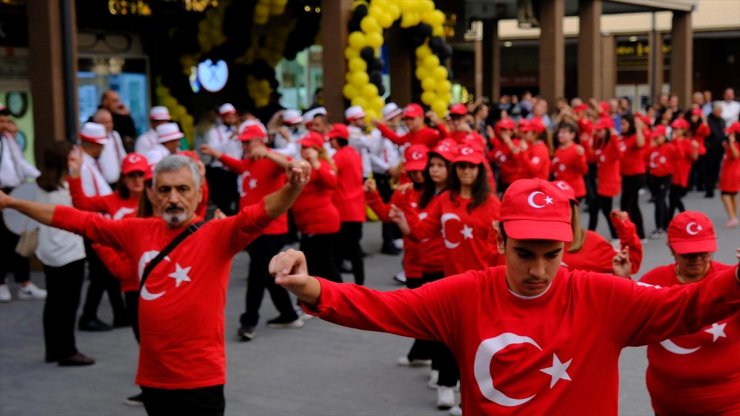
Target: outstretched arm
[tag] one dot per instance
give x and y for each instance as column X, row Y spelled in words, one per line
column 291, row 272
column 42, row 213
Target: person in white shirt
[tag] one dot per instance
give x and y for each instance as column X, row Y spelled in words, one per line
column 730, row 107
column 113, row 152
column 148, row 140
column 168, row 143
column 358, row 137
column 285, row 137
column 63, row 256
column 222, row 182
column 93, row 138
column 14, row 171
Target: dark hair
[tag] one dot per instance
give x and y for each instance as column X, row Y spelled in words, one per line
column 145, row 206
column 429, row 189
column 481, row 189
column 54, row 167
column 693, row 126
column 631, row 130
column 122, row 189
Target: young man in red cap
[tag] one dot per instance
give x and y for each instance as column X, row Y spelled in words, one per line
column 530, row 337
column 259, row 176
column 699, row 373
column 182, row 360
column 413, row 117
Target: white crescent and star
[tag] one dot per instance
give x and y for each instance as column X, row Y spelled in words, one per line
column 180, row 274
column 717, row 331
column 533, row 204
column 482, row 368
column 122, row 212
column 696, row 230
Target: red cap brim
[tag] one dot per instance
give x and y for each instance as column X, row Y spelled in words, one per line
column 474, row 159
column 694, row 246
column 415, row 165
column 538, row 230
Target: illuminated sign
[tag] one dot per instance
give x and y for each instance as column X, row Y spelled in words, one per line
column 213, row 76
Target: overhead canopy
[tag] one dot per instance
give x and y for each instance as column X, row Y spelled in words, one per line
column 509, row 9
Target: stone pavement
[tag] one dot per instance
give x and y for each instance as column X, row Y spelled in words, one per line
column 321, row 369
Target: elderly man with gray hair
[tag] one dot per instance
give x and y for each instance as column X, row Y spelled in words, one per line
column 183, row 265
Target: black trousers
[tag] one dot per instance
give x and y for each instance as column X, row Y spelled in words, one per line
column 63, row 287
column 12, row 262
column 591, row 185
column 421, row 349
column 206, row 401
column 132, row 308
column 319, row 252
column 629, row 202
column 101, row 280
column 713, row 161
column 261, row 251
column 442, row 358
column 222, row 187
column 677, row 192
column 601, row 204
column 660, row 186
column 390, row 230
column 348, row 247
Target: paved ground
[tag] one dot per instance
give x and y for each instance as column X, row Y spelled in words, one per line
column 321, row 369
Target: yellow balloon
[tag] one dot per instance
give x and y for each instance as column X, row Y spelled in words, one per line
column 428, row 84
column 424, row 6
column 350, row 91
column 423, row 51
column 428, row 97
column 437, row 18
column 359, row 79
column 359, row 100
column 351, row 53
column 440, row 73
column 421, row 72
column 371, row 114
column 169, row 102
column 439, row 107
column 410, row 19
column 443, row 86
column 357, row 64
column 393, row 10
column 431, row 61
column 369, row 91
column 374, row 40
column 378, row 103
column 385, row 20
column 357, row 40
column 261, row 10
column 438, row 31
column 369, row 25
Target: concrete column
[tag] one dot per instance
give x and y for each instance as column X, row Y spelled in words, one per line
column 589, row 49
column 552, row 50
column 335, row 15
column 491, row 60
column 656, row 46
column 47, row 72
column 401, row 64
column 682, row 57
column 608, row 66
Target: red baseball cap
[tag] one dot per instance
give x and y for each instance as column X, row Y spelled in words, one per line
column 416, row 157
column 604, row 107
column 658, row 131
column 339, row 131
column 312, row 139
column 134, row 162
column 604, row 123
column 412, row 111
column 580, row 107
column 691, row 232
column 535, row 209
column 505, row 123
column 734, row 128
column 252, row 132
column 458, row 110
column 446, row 149
column 567, row 189
column 469, row 153
column 680, row 123
column 585, row 125
column 536, row 125
column 696, row 112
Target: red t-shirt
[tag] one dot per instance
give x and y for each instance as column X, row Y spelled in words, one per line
column 683, row 163
column 569, row 166
column 425, row 135
column 596, row 253
column 729, row 175
column 349, row 197
column 554, row 354
column 535, row 161
column 258, row 178
column 314, row 210
column 661, row 159
column 696, row 374
column 181, row 308
column 468, row 237
column 608, row 177
column 632, row 160
column 510, row 168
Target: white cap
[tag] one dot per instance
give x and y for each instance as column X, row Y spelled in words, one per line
column 251, row 122
column 94, row 133
column 309, row 115
column 354, row 112
column 159, row 113
column 292, row 117
column 391, row 110
column 226, row 109
column 168, row 131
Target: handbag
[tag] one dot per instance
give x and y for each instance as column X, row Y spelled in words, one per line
column 27, row 243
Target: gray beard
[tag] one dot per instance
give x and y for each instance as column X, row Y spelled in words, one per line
column 174, row 219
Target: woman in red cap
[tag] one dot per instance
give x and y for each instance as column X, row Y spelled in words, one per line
column 632, row 144
column 605, row 153
column 699, row 373
column 698, row 131
column 534, row 158
column 569, row 163
column 661, row 158
column 689, row 150
column 506, row 145
column 729, row 177
column 418, row 133
column 460, row 130
column 590, row 251
column 349, row 199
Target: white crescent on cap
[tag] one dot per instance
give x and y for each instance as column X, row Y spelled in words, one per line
column 133, row 158
column 562, row 185
column 466, row 151
column 416, row 155
column 695, row 231
column 530, row 200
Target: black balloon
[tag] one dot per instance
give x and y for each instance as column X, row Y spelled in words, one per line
column 359, row 12
column 424, row 30
column 368, row 54
column 376, row 78
column 375, row 64
column 436, row 44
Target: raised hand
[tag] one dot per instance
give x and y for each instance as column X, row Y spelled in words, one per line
column 74, row 162
column 621, row 264
column 291, row 272
column 208, row 150
column 298, row 172
column 369, row 185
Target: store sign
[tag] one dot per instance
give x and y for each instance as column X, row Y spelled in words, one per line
column 213, row 76
column 633, row 56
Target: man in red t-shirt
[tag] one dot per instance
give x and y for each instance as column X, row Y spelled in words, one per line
column 699, row 373
column 182, row 361
column 530, row 337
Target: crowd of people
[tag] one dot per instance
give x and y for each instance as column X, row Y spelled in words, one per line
column 492, row 195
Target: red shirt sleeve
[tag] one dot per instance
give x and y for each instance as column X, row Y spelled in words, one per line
column 84, row 202
column 325, row 175
column 391, row 135
column 627, row 232
column 234, row 165
column 426, row 224
column 245, row 226
column 93, row 226
column 377, row 205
